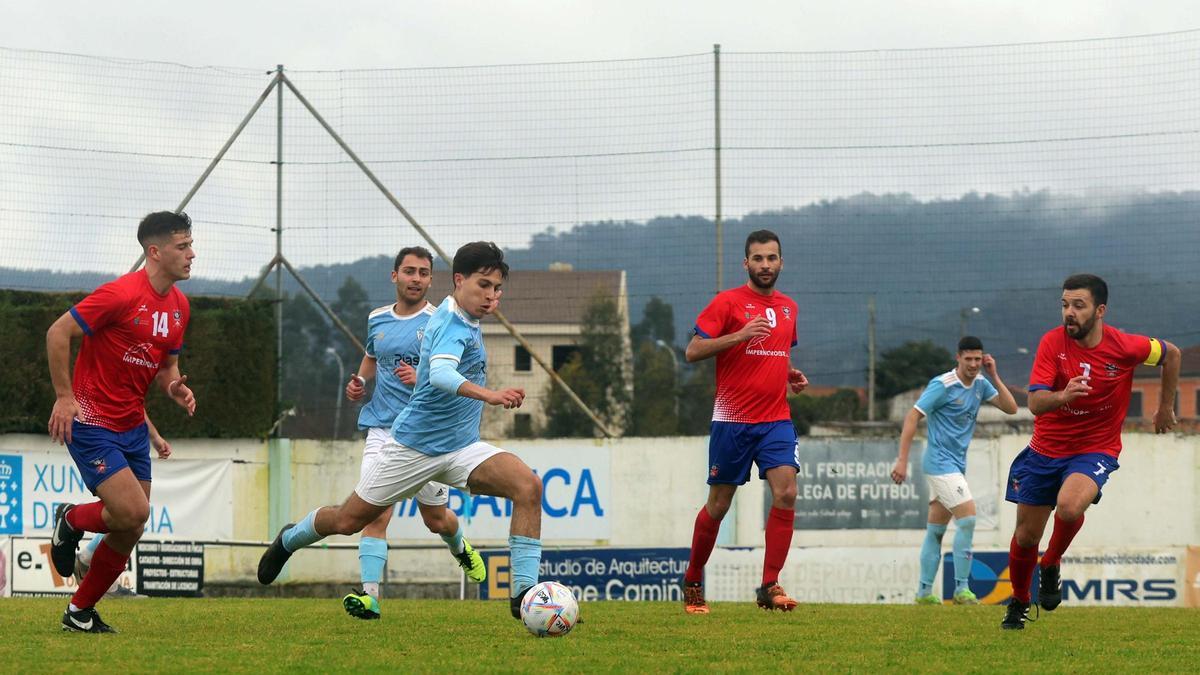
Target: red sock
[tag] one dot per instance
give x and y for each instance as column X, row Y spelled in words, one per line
column 106, row 566
column 1060, row 539
column 1021, row 562
column 780, row 525
column 704, row 537
column 87, row 517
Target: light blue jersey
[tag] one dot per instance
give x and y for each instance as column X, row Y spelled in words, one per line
column 950, row 408
column 437, row 422
column 391, row 340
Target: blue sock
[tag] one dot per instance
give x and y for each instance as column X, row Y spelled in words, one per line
column 526, row 558
column 962, row 552
column 303, row 533
column 455, row 541
column 372, row 557
column 931, row 555
column 95, row 542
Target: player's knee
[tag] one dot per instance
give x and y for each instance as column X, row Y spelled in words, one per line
column 1069, row 511
column 719, row 506
column 129, row 517
column 531, row 489
column 786, row 497
column 347, row 524
column 436, row 521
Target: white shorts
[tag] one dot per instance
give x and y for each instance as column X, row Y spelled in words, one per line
column 950, row 489
column 399, row 472
column 432, row 494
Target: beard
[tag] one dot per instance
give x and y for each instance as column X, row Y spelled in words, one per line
column 1077, row 331
column 761, row 284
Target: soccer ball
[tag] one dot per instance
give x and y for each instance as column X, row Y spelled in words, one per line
column 549, row 610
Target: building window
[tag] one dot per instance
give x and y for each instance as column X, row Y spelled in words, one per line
column 1135, row 405
column 561, row 354
column 522, row 425
column 522, row 360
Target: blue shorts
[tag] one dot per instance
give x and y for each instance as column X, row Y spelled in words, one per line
column 1035, row 479
column 99, row 453
column 732, row 446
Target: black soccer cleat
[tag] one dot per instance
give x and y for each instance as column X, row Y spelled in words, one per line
column 64, row 542
column 1050, row 588
column 85, row 621
column 514, row 604
column 1016, row 616
column 274, row 558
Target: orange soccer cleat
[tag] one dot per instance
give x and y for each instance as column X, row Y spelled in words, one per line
column 771, row 596
column 693, row 598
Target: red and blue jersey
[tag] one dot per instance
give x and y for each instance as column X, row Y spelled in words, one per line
column 129, row 331
column 752, row 376
column 1090, row 423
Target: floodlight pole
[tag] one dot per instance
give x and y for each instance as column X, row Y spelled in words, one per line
column 717, row 165
column 279, row 240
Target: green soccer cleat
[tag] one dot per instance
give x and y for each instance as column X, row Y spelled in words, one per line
column 930, row 599
column 965, row 597
column 361, row 606
column 471, row 563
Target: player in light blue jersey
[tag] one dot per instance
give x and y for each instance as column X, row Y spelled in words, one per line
column 393, row 350
column 951, row 403
column 436, row 437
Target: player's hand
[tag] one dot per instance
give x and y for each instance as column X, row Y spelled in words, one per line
column 406, row 373
column 181, row 394
column 757, row 327
column 1076, row 387
column 489, row 309
column 355, row 388
column 1164, row 420
column 989, row 365
column 161, row 446
column 899, row 472
column 61, row 417
column 509, row 398
column 797, row 381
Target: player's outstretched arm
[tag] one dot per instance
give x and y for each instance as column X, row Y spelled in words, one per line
column 444, row 376
column 1004, row 399
column 703, row 348
column 58, row 354
column 1164, row 417
column 907, row 431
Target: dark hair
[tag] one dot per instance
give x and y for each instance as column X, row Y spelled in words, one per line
column 480, row 256
column 419, row 251
column 969, row 343
column 1094, row 284
column 762, row 237
column 162, row 223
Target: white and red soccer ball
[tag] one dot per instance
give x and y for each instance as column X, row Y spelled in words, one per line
column 549, row 609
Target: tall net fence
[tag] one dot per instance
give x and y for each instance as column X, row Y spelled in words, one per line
column 954, row 187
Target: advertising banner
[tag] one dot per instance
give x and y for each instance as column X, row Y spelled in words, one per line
column 32, row 573
column 190, row 498
column 576, row 496
column 1151, row 578
column 599, row 573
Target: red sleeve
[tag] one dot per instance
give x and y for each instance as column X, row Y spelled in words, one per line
column 795, row 321
column 102, row 307
column 185, row 310
column 1140, row 349
column 711, row 322
column 1045, row 369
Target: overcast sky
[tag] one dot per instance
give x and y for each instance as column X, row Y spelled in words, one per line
column 310, row 34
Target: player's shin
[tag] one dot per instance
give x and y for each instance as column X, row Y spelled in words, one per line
column 1021, row 561
column 931, row 555
column 107, row 565
column 303, row 533
column 372, row 558
column 704, row 538
column 963, row 537
column 526, row 557
column 1064, row 533
column 780, row 525
column 454, row 541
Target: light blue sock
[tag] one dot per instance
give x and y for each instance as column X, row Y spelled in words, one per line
column 455, row 541
column 525, row 558
column 962, row 552
column 931, row 555
column 95, row 542
column 303, row 533
column 372, row 557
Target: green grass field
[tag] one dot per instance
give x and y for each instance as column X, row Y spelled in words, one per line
column 438, row 635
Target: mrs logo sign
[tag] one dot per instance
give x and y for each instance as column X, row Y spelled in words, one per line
column 575, row 499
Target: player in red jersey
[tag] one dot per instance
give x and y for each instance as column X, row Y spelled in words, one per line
column 1079, row 392
column 132, row 331
column 751, row 330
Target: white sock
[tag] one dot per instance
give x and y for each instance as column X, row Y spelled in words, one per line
column 72, row 608
column 371, row 588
